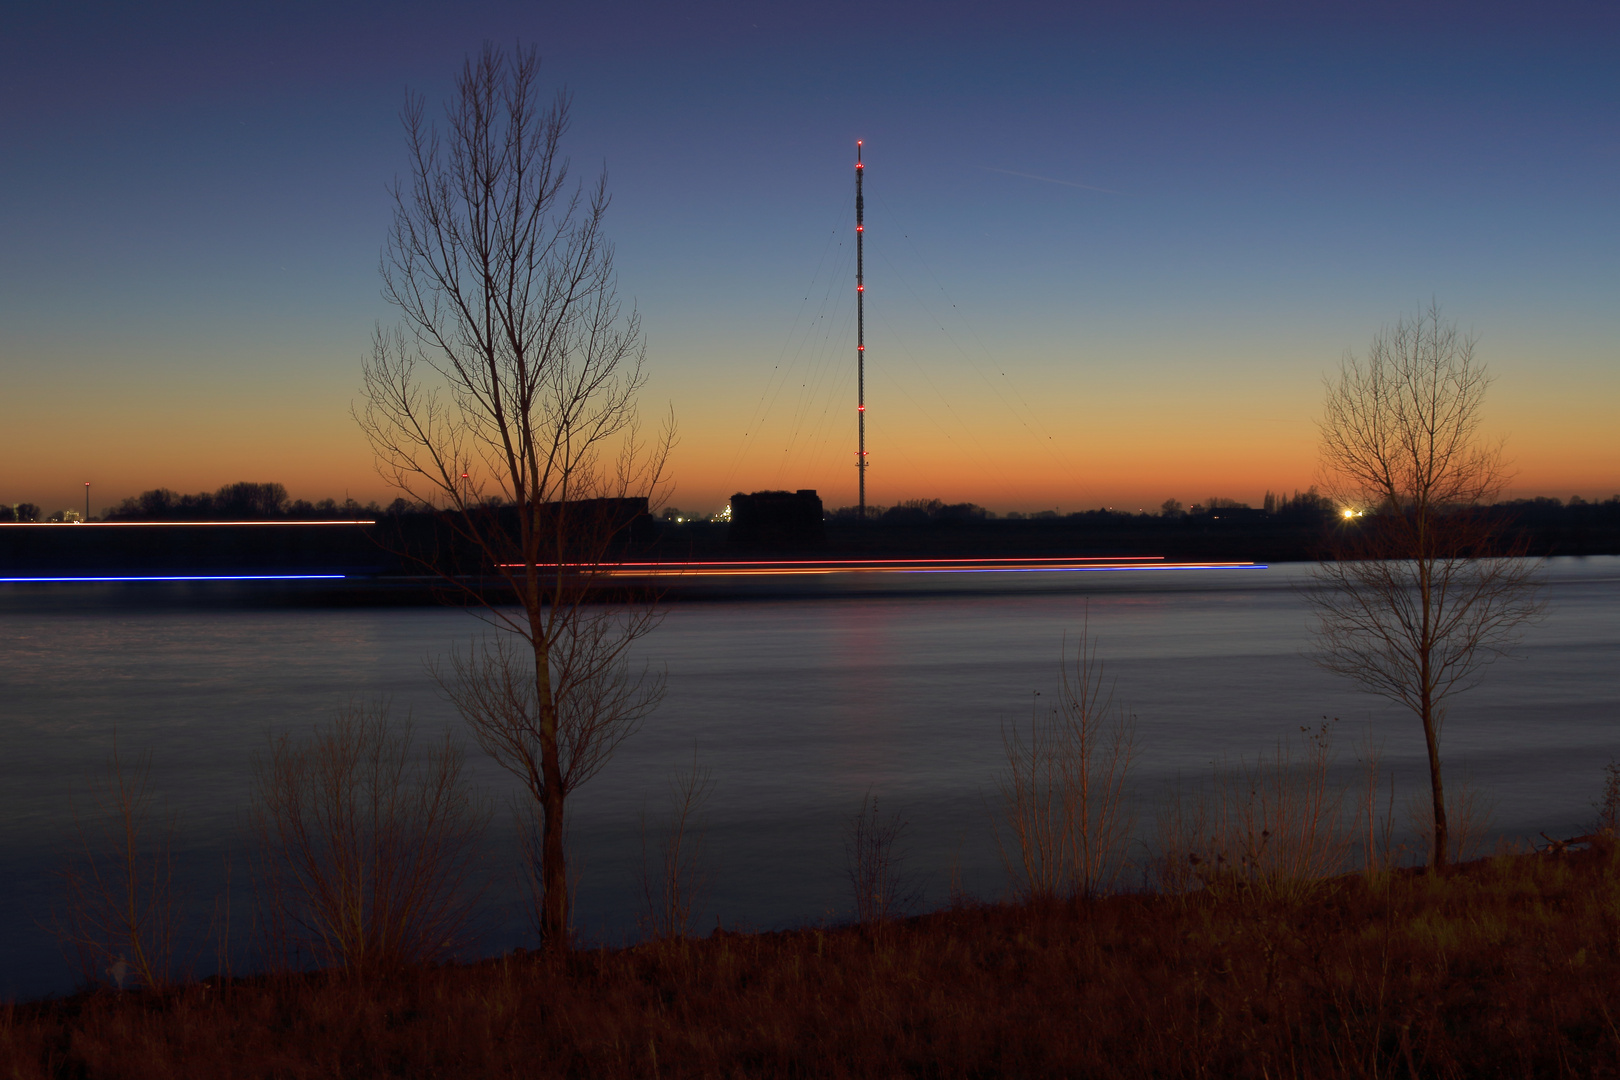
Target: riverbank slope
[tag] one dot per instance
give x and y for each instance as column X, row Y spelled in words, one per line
column 1505, row 967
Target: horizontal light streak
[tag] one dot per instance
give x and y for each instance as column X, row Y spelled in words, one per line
column 900, row 562
column 839, row 565
column 160, row 524
column 964, row 569
column 1095, row 569
column 171, row 577
column 821, row 568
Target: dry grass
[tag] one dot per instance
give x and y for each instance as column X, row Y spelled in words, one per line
column 1507, row 967
column 1275, row 827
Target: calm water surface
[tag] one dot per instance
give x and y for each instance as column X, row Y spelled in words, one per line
column 799, row 707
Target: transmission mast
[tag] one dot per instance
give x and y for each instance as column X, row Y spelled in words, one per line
column 860, row 325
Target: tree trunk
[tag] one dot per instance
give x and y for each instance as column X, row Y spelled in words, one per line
column 1442, row 839
column 554, row 918
column 1431, row 737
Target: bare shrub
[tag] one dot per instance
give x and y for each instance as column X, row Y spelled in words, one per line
column 367, row 849
column 1608, row 807
column 873, row 865
column 672, row 885
column 1273, row 828
column 1064, row 822
column 220, row 928
column 119, row 916
column 1376, row 825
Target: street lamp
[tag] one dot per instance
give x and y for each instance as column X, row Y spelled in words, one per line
column 87, row 500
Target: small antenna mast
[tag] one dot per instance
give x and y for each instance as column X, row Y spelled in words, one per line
column 860, row 325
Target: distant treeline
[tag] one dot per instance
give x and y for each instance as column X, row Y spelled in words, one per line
column 1283, row 528
column 240, row 502
column 1301, row 507
column 237, row 502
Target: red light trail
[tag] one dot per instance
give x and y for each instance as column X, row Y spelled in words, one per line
column 822, row 567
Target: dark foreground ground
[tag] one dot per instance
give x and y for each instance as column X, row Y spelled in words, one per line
column 1508, row 967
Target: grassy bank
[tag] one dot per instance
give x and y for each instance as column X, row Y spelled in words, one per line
column 1505, row 967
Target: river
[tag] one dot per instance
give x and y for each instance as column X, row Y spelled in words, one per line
column 798, row 708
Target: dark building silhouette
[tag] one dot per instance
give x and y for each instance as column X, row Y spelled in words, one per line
column 777, row 520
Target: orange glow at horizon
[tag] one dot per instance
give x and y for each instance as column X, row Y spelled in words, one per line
column 1121, row 435
column 1108, row 470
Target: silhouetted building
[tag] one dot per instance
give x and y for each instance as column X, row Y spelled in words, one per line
column 781, row 520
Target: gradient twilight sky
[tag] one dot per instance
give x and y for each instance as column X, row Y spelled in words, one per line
column 1111, row 248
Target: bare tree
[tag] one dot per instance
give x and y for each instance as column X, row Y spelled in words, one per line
column 506, row 398
column 1422, row 588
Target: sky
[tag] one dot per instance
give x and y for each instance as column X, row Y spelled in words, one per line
column 1112, row 250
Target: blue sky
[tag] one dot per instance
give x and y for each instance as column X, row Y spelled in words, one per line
column 1112, row 249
